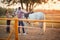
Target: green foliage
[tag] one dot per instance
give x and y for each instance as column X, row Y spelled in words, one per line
column 2, row 11
column 10, row 10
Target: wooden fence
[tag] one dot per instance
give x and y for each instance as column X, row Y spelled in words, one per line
column 16, row 24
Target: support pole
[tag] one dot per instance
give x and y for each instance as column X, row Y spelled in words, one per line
column 16, row 29
column 44, row 25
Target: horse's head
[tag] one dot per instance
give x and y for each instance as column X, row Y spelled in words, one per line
column 27, row 15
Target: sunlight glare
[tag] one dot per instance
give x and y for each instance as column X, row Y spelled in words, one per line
column 50, row 5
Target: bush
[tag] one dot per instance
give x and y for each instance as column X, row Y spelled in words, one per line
column 2, row 11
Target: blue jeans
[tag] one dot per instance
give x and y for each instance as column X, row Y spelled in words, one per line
column 21, row 24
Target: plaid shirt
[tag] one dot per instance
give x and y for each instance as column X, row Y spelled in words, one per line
column 20, row 13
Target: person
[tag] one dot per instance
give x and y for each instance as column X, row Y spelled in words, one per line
column 8, row 21
column 20, row 15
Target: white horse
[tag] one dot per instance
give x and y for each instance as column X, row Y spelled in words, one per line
column 37, row 16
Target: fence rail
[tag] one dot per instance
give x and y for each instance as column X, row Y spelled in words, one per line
column 51, row 21
column 16, row 24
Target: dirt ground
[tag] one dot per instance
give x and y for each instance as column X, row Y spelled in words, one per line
column 35, row 34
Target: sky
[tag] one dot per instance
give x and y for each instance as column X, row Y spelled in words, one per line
column 47, row 6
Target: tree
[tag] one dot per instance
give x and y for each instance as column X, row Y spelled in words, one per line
column 21, row 1
column 2, row 11
column 29, row 3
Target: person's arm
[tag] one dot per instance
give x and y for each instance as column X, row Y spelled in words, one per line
column 24, row 11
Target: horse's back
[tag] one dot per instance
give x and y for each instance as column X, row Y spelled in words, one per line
column 39, row 15
column 32, row 16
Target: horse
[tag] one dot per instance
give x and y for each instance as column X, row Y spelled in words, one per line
column 37, row 16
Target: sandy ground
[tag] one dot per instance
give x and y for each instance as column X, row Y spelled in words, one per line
column 34, row 34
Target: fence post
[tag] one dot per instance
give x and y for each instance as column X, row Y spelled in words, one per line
column 44, row 25
column 16, row 29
